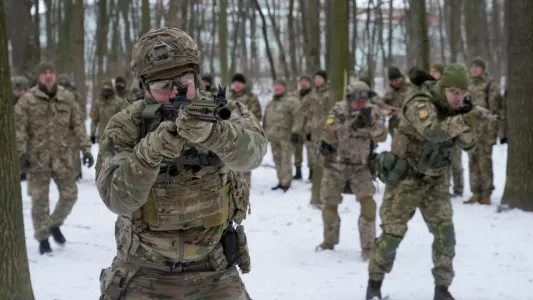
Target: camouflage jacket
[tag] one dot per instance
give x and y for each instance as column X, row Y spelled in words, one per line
column 352, row 146
column 167, row 211
column 44, row 128
column 396, row 97
column 249, row 99
column 307, row 100
column 428, row 130
column 101, row 112
column 488, row 130
column 318, row 113
column 283, row 117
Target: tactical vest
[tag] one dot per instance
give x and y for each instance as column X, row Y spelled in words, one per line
column 191, row 204
column 432, row 159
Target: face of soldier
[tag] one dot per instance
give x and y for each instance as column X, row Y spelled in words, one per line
column 455, row 97
column 47, row 78
column 359, row 104
column 165, row 90
column 396, row 82
column 319, row 80
column 476, row 71
column 19, row 92
column 435, row 73
column 305, row 84
column 120, row 86
column 279, row 89
column 237, row 86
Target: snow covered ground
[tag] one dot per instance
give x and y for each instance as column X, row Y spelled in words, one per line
column 493, row 259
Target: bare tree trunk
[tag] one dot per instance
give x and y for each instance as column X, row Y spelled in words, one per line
column 223, row 39
column 315, row 34
column 145, row 17
column 293, row 39
column 519, row 183
column 418, row 35
column 78, row 34
column 15, row 282
column 253, row 41
column 442, row 25
column 277, row 35
column 265, row 37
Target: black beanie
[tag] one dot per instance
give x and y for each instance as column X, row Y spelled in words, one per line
column 208, row 79
column 394, row 72
column 120, row 79
column 239, row 77
column 322, row 74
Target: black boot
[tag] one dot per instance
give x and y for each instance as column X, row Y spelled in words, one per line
column 298, row 175
column 310, row 174
column 276, row 187
column 285, row 188
column 442, row 293
column 80, row 176
column 44, row 247
column 57, row 235
column 22, row 176
column 373, row 290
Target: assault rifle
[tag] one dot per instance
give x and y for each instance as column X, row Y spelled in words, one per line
column 205, row 111
column 485, row 113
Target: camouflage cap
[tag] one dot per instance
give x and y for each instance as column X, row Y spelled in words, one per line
column 64, row 80
column 162, row 49
column 455, row 76
column 394, row 72
column 45, row 66
column 479, row 61
column 438, row 66
column 19, row 82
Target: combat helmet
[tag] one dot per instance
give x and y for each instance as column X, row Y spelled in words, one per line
column 19, row 82
column 358, row 90
column 163, row 49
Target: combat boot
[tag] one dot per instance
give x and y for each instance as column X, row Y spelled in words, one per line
column 310, row 173
column 44, row 247
column 457, row 194
column 485, row 200
column 373, row 290
column 442, row 293
column 276, row 187
column 325, row 246
column 474, row 199
column 57, row 235
column 298, row 175
column 22, row 176
column 285, row 188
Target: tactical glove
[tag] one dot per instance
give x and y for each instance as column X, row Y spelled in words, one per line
column 325, row 148
column 295, row 138
column 364, row 118
column 503, row 141
column 472, row 118
column 163, row 142
column 466, row 107
column 24, row 163
column 192, row 129
column 93, row 139
column 88, row 159
column 308, row 137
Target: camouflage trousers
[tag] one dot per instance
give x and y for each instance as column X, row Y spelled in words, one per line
column 393, row 124
column 457, row 170
column 480, row 167
column 432, row 197
column 312, row 152
column 282, row 152
column 40, row 190
column 77, row 161
column 298, row 154
column 334, row 179
column 124, row 281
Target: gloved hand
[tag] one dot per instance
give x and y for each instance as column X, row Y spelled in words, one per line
column 295, row 138
column 325, row 148
column 503, row 140
column 88, row 159
column 308, row 137
column 364, row 118
column 24, row 163
column 467, row 106
column 472, row 118
column 164, row 141
column 192, row 128
column 93, row 139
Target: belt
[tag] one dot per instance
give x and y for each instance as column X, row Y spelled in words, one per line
column 173, row 266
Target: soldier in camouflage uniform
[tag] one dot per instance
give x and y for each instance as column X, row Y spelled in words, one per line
column 47, row 115
column 65, row 81
column 19, row 85
column 121, row 89
column 485, row 93
column 457, row 163
column 308, row 99
column 103, row 108
column 395, row 95
column 347, row 150
column 416, row 174
column 175, row 233
column 207, row 81
column 240, row 93
column 283, row 123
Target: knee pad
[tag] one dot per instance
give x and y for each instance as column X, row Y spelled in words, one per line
column 368, row 208
column 387, row 244
column 445, row 238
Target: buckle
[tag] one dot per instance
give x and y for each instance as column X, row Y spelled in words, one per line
column 173, row 265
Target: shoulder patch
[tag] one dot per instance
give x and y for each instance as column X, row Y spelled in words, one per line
column 422, row 110
column 330, row 120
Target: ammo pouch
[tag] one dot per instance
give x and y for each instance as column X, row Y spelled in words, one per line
column 435, row 156
column 235, row 247
column 390, row 168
